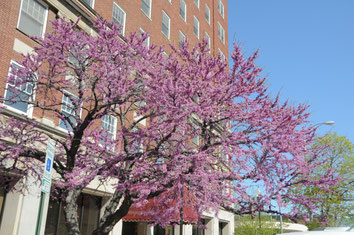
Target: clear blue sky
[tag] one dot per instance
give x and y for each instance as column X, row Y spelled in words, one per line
column 306, row 51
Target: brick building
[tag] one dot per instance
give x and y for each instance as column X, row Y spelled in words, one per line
column 167, row 22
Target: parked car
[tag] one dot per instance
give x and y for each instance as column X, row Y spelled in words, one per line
column 332, row 229
column 327, row 231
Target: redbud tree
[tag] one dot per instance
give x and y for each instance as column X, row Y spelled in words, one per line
column 184, row 123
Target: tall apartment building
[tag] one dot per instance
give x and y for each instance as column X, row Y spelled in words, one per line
column 167, row 22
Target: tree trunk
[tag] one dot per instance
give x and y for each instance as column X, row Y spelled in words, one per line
column 70, row 211
column 112, row 215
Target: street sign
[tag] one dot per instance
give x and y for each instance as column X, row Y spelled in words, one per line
column 48, row 166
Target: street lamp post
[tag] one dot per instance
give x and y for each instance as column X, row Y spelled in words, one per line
column 258, row 194
column 327, row 123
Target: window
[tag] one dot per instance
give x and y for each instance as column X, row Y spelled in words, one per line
column 197, row 230
column 33, row 17
column 109, row 124
column 166, row 24
column 158, row 230
column 147, row 40
column 119, row 17
column 222, row 55
column 196, row 2
column 207, row 37
column 221, row 8
column 195, row 138
column 136, row 228
column 88, row 211
column 136, row 146
column 181, row 39
column 222, row 228
column 221, row 33
column 183, row 10
column 19, row 91
column 196, row 27
column 146, row 7
column 68, row 110
column 90, row 2
column 207, row 13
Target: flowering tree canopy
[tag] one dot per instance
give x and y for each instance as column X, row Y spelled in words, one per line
column 155, row 126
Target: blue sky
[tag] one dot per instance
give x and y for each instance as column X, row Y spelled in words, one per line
column 306, row 51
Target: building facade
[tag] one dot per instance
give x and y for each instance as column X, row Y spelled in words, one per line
column 167, row 22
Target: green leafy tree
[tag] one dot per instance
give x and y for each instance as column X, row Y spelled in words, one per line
column 333, row 207
column 251, row 225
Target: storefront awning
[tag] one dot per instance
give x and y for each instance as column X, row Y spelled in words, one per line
column 141, row 214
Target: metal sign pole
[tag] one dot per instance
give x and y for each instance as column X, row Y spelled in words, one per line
column 46, row 183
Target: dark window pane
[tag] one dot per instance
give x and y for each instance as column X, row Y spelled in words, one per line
column 32, row 17
column 17, row 96
column 158, row 230
column 134, row 228
column 130, row 228
column 90, row 213
column 52, row 218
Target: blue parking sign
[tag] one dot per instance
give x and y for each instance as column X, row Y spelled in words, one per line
column 49, row 164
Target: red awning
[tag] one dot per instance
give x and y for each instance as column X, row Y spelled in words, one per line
column 136, row 214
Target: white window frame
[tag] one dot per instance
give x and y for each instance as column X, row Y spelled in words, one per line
column 93, row 4
column 185, row 10
column 196, row 138
column 197, row 3
column 30, row 106
column 169, row 25
column 196, row 20
column 221, row 8
column 179, row 37
column 61, row 108
column 125, row 17
column 136, row 117
column 209, row 41
column 207, row 9
column 150, row 6
column 147, row 40
column 45, row 18
column 115, row 120
column 223, row 57
column 221, row 33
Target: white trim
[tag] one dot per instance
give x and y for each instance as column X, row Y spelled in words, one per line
column 45, row 17
column 147, row 39
column 169, row 25
column 150, row 7
column 197, row 4
column 33, row 96
column 184, row 38
column 125, row 16
column 207, row 7
column 221, row 9
column 61, row 107
column 209, row 41
column 93, row 4
column 185, row 10
column 222, row 31
column 196, row 19
column 115, row 121
column 222, row 55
